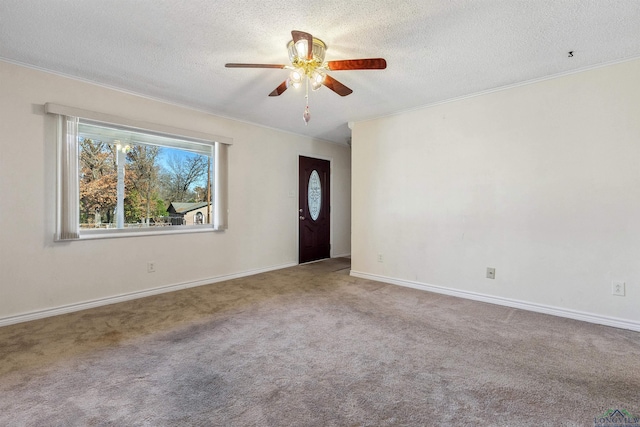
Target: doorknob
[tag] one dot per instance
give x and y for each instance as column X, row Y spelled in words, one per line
column 300, row 210
column 301, row 217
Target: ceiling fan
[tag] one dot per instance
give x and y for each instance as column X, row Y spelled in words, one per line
column 306, row 54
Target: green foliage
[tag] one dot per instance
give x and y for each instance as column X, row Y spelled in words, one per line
column 132, row 207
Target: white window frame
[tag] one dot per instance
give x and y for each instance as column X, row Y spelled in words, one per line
column 67, row 212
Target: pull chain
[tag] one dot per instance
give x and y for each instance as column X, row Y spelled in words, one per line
column 306, row 116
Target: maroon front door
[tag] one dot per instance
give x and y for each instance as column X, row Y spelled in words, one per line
column 314, row 210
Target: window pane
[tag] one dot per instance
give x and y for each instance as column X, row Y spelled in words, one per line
column 131, row 178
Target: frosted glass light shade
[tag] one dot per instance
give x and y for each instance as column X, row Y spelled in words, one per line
column 298, row 51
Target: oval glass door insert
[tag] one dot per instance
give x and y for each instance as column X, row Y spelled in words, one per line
column 314, row 195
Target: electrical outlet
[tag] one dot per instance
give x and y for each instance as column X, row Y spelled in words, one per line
column 491, row 273
column 379, row 257
column 617, row 288
column 151, row 267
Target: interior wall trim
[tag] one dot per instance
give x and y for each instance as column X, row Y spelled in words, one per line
column 65, row 309
column 538, row 308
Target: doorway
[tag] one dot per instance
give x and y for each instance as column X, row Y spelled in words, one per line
column 314, row 210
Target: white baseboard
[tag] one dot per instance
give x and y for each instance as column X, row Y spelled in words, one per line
column 40, row 314
column 538, row 308
column 342, row 256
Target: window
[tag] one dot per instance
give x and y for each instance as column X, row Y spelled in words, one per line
column 116, row 179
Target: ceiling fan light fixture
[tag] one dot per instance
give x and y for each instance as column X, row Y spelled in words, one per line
column 301, row 48
column 295, row 85
column 298, row 52
column 317, row 77
column 296, row 76
column 319, row 50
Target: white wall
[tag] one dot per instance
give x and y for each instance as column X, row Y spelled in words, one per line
column 540, row 181
column 37, row 274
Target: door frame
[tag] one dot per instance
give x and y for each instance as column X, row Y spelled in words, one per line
column 295, row 210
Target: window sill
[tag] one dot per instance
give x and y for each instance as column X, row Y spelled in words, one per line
column 142, row 232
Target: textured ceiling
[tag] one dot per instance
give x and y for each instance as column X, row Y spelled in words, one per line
column 435, row 49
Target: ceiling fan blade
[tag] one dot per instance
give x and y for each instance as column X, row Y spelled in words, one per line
column 336, row 86
column 278, row 91
column 236, row 65
column 358, row 64
column 301, row 35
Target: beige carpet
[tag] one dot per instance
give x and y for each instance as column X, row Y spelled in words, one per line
column 312, row 346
